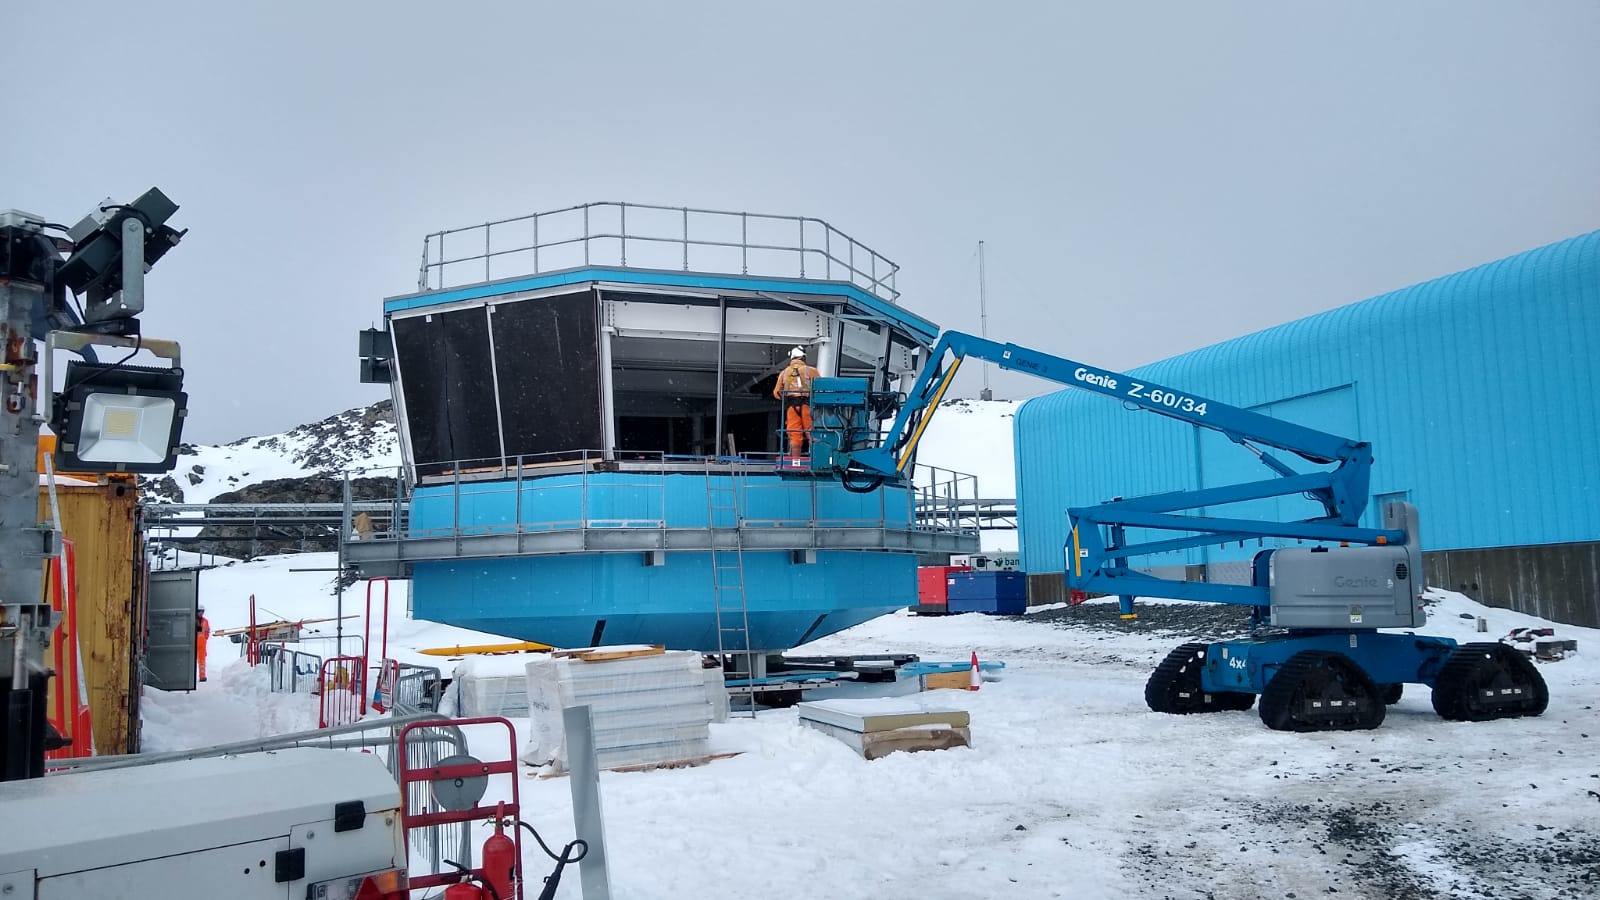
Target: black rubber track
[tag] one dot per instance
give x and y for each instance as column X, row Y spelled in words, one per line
column 1318, row 690
column 1479, row 682
column 1174, row 687
column 1392, row 693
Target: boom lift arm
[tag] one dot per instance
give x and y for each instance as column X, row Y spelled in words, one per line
column 1325, row 665
column 1099, row 554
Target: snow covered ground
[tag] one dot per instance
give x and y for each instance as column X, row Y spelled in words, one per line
column 1072, row 788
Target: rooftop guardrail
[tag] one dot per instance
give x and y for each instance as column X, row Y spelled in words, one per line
column 659, row 238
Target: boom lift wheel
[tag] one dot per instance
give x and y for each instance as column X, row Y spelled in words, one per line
column 1318, row 690
column 1486, row 681
column 1174, row 687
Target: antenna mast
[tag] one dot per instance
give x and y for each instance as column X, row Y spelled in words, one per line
column 983, row 322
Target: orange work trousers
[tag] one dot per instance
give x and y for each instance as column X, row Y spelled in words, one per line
column 797, row 421
column 200, row 639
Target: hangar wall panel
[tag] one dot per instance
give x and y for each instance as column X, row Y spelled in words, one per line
column 1480, row 392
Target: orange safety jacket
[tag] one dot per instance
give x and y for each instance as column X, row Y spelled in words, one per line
column 795, row 381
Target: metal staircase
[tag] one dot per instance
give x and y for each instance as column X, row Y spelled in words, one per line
column 723, row 495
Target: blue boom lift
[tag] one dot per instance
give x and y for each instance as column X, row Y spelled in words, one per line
column 1316, row 656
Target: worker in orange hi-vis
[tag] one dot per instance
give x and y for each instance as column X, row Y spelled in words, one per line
column 202, row 632
column 794, row 390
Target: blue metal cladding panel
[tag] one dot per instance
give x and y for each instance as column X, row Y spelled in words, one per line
column 562, row 600
column 1479, row 391
column 607, row 499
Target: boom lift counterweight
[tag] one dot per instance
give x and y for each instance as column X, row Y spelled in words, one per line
column 1317, row 658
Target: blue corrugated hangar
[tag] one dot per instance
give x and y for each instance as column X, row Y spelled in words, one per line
column 1479, row 391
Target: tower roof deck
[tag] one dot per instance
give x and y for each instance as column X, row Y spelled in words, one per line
column 669, row 248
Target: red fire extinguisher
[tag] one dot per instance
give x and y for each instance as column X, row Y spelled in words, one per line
column 500, row 858
column 465, row 890
column 498, row 879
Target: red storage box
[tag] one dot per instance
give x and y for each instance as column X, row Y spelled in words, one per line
column 933, row 584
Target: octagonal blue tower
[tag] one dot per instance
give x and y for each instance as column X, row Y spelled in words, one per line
column 591, row 449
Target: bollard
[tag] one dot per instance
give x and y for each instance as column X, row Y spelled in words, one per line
column 584, row 774
column 1483, row 625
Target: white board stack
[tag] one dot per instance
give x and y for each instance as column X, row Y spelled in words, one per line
column 489, row 686
column 880, row 726
column 649, row 706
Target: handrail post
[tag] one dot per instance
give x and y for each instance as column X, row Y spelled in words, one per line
column 586, row 234
column 624, row 232
column 486, row 252
column 686, row 238
column 827, row 252
column 535, row 243
column 744, row 243
column 802, row 223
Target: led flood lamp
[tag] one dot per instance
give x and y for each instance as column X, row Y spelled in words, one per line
column 118, row 418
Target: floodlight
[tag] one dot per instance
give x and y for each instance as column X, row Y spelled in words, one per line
column 118, row 418
column 114, row 246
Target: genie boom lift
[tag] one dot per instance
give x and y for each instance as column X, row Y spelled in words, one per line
column 1316, row 656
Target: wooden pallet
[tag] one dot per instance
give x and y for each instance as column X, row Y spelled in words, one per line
column 606, row 654
column 689, row 763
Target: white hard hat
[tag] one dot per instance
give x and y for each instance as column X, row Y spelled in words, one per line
column 797, row 353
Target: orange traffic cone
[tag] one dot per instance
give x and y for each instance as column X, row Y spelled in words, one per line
column 976, row 678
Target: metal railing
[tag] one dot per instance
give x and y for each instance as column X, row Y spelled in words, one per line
column 327, row 644
column 627, row 491
column 290, row 671
column 373, row 734
column 417, row 689
column 657, row 238
column 426, row 747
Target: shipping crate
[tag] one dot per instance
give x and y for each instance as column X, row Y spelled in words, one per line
column 998, row 593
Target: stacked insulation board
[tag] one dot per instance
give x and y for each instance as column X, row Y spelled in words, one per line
column 878, row 727
column 648, row 706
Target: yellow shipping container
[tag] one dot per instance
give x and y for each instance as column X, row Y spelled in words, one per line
column 99, row 516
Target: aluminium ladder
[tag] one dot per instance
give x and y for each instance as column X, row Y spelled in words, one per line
column 727, row 583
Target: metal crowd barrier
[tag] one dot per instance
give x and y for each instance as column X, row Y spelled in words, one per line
column 290, row 671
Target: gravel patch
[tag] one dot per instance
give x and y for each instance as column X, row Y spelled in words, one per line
column 1178, row 621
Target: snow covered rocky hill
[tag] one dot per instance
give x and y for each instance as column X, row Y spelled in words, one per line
column 358, row 438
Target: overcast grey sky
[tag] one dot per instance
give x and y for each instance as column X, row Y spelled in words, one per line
column 1149, row 177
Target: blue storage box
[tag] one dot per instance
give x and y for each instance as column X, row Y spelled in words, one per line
column 1000, row 593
